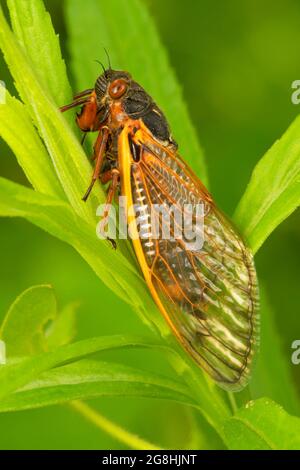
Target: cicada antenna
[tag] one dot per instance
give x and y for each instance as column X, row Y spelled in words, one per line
column 98, row 62
column 108, row 58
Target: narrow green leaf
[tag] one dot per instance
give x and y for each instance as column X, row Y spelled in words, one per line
column 263, row 425
column 27, row 146
column 16, row 375
column 273, row 192
column 129, row 34
column 33, row 28
column 90, row 379
column 23, row 328
column 70, row 162
column 272, row 374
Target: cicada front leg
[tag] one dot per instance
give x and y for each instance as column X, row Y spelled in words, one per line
column 99, row 153
column 114, row 177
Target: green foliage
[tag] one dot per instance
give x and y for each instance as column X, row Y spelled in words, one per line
column 273, row 192
column 23, row 329
column 33, row 28
column 42, row 368
column 17, row 374
column 90, row 379
column 34, row 325
column 62, row 330
column 272, row 377
column 262, row 425
column 71, row 166
column 39, row 171
column 56, row 217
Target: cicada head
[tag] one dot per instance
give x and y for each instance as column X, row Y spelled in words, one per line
column 115, row 99
column 95, row 103
column 120, row 99
column 121, row 96
column 112, row 85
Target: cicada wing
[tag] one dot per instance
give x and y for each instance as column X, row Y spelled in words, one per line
column 211, row 307
column 209, row 294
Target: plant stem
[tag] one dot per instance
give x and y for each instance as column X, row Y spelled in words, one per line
column 232, row 402
column 131, row 440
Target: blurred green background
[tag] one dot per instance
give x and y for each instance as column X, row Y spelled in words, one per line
column 236, row 61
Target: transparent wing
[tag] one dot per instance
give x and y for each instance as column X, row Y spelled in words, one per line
column 209, row 294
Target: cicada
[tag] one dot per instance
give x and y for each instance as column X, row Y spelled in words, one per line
column 208, row 296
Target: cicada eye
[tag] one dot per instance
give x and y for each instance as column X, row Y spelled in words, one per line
column 117, row 88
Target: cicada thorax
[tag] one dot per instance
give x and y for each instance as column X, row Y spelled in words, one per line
column 208, row 293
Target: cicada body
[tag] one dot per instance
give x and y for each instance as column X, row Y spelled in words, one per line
column 208, row 293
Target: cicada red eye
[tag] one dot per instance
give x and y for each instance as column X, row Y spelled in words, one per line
column 117, row 88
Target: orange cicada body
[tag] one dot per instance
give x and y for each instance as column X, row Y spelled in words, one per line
column 207, row 294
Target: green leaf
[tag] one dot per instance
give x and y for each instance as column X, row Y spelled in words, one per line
column 27, row 146
column 16, row 375
column 90, row 379
column 129, row 34
column 33, row 28
column 272, row 375
column 273, row 192
column 63, row 328
column 23, row 328
column 262, row 424
column 33, row 325
column 69, row 160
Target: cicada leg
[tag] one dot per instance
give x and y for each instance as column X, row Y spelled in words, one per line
column 83, row 138
column 99, row 153
column 113, row 176
column 97, row 144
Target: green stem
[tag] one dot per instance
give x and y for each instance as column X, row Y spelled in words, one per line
column 232, row 402
column 131, row 440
